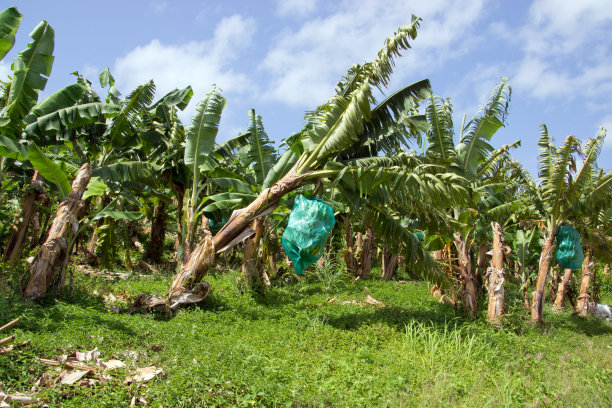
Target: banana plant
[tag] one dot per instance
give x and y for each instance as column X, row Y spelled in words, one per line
column 558, row 193
column 330, row 130
column 472, row 158
column 25, row 122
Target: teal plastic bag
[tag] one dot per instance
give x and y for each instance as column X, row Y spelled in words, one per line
column 569, row 250
column 310, row 223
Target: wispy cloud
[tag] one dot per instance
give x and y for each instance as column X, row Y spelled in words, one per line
column 305, row 63
column 295, row 8
column 159, row 6
column 197, row 63
column 606, row 122
column 568, row 52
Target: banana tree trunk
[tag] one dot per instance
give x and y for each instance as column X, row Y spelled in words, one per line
column 16, row 241
column 367, row 254
column 53, row 254
column 389, row 264
column 496, row 276
column 585, row 282
column 233, row 232
column 468, row 285
column 554, row 281
column 483, row 258
column 180, row 197
column 560, row 297
column 90, row 253
column 537, row 298
column 251, row 273
column 158, row 233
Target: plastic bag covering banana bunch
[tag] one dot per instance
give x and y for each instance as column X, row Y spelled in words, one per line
column 310, row 223
column 569, row 251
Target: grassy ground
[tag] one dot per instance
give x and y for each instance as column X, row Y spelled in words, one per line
column 296, row 348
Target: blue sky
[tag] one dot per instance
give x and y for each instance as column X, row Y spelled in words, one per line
column 284, row 57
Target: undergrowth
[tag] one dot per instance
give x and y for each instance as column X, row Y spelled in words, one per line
column 313, row 342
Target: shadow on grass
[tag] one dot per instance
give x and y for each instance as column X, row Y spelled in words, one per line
column 48, row 315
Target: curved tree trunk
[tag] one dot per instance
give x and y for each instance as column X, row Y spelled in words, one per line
column 233, row 232
column 496, row 276
column 468, row 285
column 53, row 254
column 537, row 299
column 16, row 241
column 585, row 282
column 560, row 296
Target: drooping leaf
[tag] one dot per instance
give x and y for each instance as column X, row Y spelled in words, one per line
column 96, row 187
column 122, row 127
column 49, row 169
column 64, row 98
column 177, row 97
column 12, row 149
column 30, row 72
column 473, row 144
column 144, row 172
column 226, row 184
column 119, row 215
column 71, row 118
column 10, row 19
column 280, row 169
column 106, row 78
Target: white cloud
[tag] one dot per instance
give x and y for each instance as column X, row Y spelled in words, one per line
column 606, row 123
column 91, row 72
column 299, row 8
column 561, row 26
column 567, row 51
column 159, row 7
column 5, row 71
column 199, row 64
column 305, row 63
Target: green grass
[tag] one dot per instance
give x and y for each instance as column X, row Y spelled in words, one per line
column 293, row 348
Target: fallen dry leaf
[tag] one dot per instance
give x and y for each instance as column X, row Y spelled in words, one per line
column 21, row 399
column 370, row 300
column 70, row 378
column 87, row 355
column 112, row 364
column 147, row 373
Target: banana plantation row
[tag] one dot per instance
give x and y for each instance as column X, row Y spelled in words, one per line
column 137, row 171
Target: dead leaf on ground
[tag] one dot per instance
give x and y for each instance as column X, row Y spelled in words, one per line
column 69, row 378
column 87, row 355
column 332, row 300
column 112, row 364
column 147, row 373
column 371, row 301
